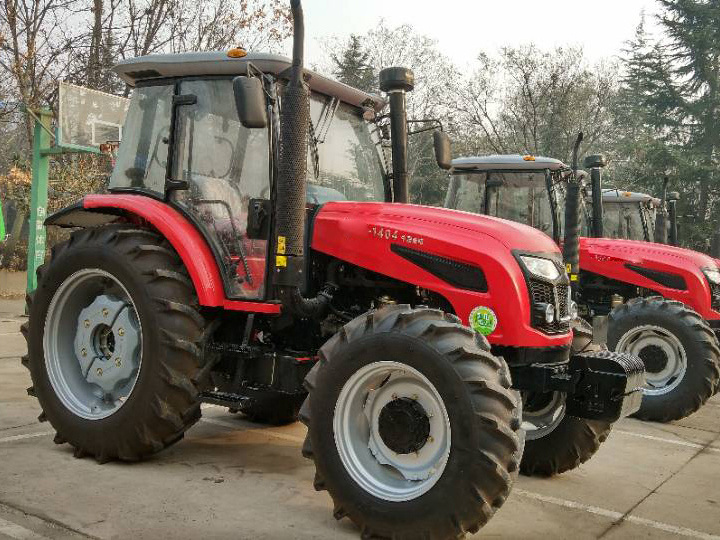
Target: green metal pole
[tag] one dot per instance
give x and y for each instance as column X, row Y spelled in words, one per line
column 38, row 195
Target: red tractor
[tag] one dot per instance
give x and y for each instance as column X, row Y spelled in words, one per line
column 207, row 276
column 663, row 302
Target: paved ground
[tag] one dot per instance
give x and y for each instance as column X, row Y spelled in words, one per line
column 230, row 478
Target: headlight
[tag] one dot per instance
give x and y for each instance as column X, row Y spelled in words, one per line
column 713, row 276
column 540, row 267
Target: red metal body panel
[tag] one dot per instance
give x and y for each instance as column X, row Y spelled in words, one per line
column 351, row 231
column 608, row 257
column 187, row 241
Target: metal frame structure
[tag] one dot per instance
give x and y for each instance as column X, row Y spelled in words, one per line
column 44, row 147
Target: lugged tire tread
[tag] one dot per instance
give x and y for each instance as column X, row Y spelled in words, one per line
column 706, row 339
column 435, row 326
column 156, row 262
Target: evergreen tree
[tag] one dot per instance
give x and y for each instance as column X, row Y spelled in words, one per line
column 693, row 28
column 352, row 66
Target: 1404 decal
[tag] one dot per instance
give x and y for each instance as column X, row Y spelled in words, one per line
column 384, row 233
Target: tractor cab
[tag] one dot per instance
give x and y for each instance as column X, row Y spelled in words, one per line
column 629, row 215
column 185, row 142
column 524, row 189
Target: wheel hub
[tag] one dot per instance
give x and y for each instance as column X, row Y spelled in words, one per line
column 106, row 343
column 663, row 353
column 92, row 342
column 392, row 431
column 542, row 413
column 655, row 358
column 404, row 426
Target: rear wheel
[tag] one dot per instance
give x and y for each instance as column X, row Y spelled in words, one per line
column 113, row 338
column 412, row 425
column 555, row 442
column 680, row 352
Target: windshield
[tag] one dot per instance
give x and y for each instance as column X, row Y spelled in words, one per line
column 517, row 196
column 347, row 164
column 624, row 220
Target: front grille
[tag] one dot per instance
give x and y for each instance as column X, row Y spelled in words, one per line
column 715, row 296
column 542, row 292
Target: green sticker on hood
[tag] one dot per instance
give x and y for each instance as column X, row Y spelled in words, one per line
column 483, row 320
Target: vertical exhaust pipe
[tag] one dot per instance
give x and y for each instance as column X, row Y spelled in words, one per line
column 596, row 163
column 291, row 191
column 396, row 82
column 571, row 245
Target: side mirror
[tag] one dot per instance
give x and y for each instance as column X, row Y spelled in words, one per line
column 250, row 101
column 673, row 196
column 443, row 154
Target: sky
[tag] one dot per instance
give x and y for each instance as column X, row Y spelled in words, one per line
column 462, row 28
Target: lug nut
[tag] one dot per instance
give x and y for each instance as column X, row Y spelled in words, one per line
column 121, row 331
column 105, row 312
column 83, row 352
column 87, row 323
column 99, row 372
column 118, row 363
column 431, row 439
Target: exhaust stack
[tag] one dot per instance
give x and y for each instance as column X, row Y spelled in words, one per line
column 290, row 215
column 397, row 81
column 596, row 163
column 571, row 245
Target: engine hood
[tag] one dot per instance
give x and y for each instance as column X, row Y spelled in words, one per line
column 430, row 247
column 514, row 236
column 637, row 252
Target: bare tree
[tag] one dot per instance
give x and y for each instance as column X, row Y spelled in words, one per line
column 38, row 41
column 525, row 100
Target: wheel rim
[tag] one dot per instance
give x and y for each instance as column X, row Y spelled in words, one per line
column 663, row 354
column 542, row 413
column 392, row 431
column 93, row 344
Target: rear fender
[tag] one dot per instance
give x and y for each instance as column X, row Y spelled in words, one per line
column 188, row 242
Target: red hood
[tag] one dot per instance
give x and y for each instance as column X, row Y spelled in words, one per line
column 514, row 236
column 637, row 252
column 383, row 238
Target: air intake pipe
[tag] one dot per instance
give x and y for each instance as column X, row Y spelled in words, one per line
column 672, row 200
column 571, row 245
column 291, row 193
column 596, row 163
column 661, row 225
column 396, row 82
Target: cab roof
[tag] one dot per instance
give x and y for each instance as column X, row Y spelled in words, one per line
column 507, row 162
column 614, row 195
column 191, row 64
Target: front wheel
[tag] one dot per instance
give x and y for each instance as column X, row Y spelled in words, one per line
column 555, row 442
column 679, row 350
column 412, row 425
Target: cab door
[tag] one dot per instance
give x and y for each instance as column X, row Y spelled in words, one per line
column 219, row 166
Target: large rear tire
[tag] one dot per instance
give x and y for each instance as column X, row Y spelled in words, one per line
column 114, row 343
column 680, row 352
column 555, row 442
column 412, row 425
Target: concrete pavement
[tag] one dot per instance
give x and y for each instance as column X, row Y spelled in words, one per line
column 230, row 478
